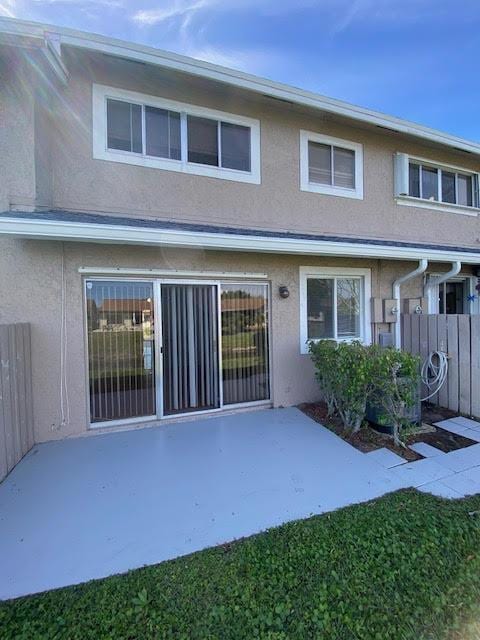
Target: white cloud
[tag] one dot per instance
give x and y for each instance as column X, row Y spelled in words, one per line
column 182, row 8
column 177, row 9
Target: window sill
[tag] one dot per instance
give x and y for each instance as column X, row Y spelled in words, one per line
column 327, row 190
column 176, row 165
column 361, row 339
column 410, row 201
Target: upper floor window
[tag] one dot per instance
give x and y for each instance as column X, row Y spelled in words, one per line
column 435, row 185
column 330, row 165
column 151, row 132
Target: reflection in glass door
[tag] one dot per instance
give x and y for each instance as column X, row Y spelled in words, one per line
column 121, row 356
column 245, row 354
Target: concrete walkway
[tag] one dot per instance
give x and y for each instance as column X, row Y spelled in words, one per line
column 86, row 508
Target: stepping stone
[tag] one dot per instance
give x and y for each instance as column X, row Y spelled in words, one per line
column 467, row 422
column 451, row 425
column 440, row 489
column 420, row 472
column 462, row 483
column 472, row 474
column 386, row 458
column 426, row 450
column 461, row 459
column 473, row 434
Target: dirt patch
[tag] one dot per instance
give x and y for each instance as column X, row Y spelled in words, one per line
column 431, row 413
column 368, row 439
column 365, row 440
column 441, row 439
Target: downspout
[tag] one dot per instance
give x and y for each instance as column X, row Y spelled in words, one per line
column 422, row 267
column 435, row 282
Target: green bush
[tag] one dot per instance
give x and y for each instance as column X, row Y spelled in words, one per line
column 343, row 374
column 324, row 356
column 395, row 376
column 351, row 374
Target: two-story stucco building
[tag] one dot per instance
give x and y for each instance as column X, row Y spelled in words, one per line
column 175, row 231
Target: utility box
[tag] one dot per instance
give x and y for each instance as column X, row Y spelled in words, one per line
column 388, row 314
column 412, row 305
column 385, row 339
column 377, row 310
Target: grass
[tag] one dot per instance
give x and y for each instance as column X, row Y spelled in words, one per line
column 406, row 566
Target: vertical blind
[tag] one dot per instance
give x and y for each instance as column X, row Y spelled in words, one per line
column 245, row 361
column 190, row 348
column 120, row 350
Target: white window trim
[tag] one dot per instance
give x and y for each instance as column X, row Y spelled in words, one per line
column 403, row 198
column 100, row 93
column 433, row 293
column 332, row 272
column 326, row 189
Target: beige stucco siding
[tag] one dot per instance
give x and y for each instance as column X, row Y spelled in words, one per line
column 80, row 182
column 17, row 136
column 31, row 291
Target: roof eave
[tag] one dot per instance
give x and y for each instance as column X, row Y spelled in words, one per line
column 118, row 234
column 150, row 55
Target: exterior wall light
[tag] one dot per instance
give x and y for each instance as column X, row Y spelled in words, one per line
column 283, row 291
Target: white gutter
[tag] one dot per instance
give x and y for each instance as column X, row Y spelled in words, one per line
column 166, row 59
column 119, row 234
column 422, row 267
column 437, row 281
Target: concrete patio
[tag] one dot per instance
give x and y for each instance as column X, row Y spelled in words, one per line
column 90, row 507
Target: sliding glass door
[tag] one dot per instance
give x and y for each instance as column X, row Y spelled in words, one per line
column 190, row 348
column 142, row 366
column 121, row 350
column 245, row 353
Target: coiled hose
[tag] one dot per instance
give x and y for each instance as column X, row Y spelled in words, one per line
column 434, row 372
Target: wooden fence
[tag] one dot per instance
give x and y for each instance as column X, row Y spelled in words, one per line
column 459, row 336
column 16, row 410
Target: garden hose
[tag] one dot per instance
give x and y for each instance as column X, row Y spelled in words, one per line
column 434, row 372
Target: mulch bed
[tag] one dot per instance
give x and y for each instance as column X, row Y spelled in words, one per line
column 368, row 439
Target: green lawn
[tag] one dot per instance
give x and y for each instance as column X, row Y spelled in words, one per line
column 404, row 566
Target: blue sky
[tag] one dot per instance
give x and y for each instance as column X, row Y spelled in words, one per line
column 417, row 59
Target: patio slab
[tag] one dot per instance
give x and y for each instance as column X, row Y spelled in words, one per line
column 426, row 450
column 463, row 483
column 461, row 459
column 453, row 426
column 85, row 508
column 440, row 489
column 467, row 422
column 421, row 472
column 386, row 458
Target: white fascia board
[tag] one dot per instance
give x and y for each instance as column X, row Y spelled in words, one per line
column 55, row 61
column 150, row 55
column 117, row 234
column 38, row 40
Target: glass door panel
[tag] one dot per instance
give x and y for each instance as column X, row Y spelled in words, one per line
column 245, row 350
column 121, row 350
column 190, row 348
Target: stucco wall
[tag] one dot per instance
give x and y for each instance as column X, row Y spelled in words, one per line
column 31, row 291
column 17, row 143
column 97, row 185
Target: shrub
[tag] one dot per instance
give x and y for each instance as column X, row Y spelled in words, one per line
column 324, row 356
column 350, row 374
column 395, row 376
column 343, row 374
